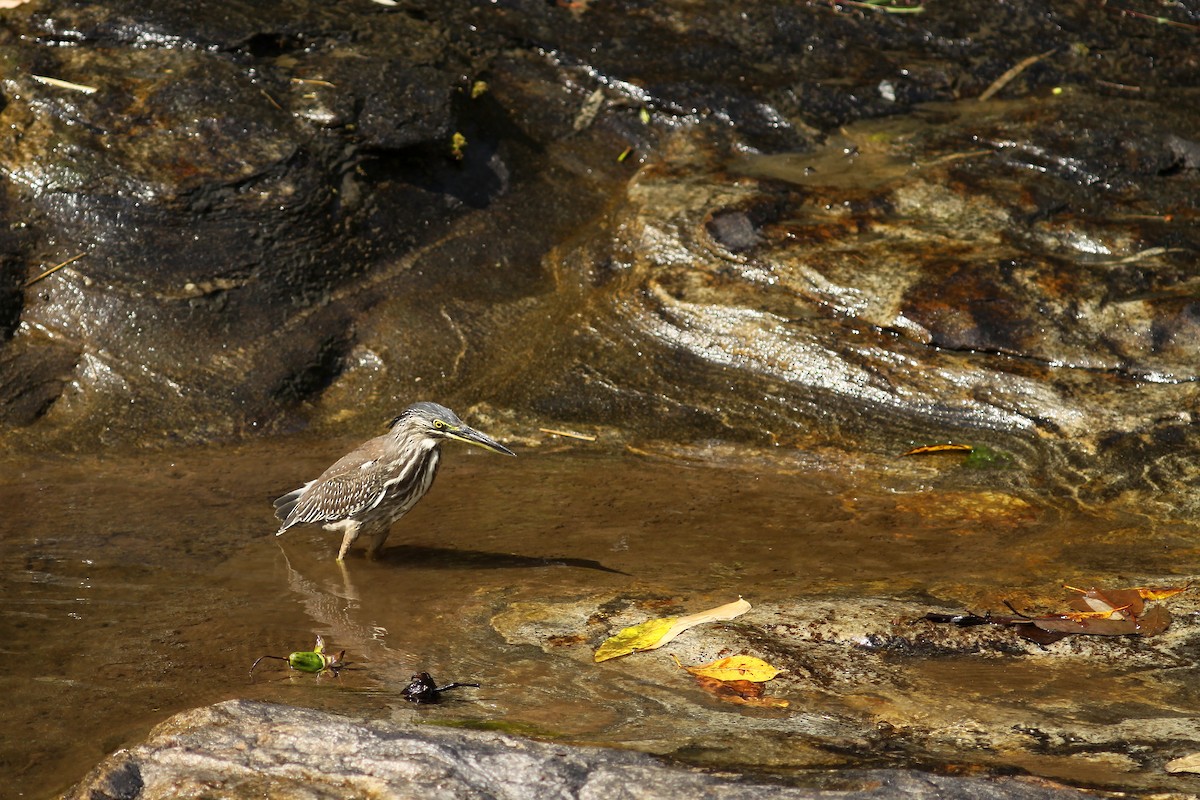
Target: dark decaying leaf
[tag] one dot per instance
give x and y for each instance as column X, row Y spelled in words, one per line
column 742, row 692
column 1092, row 625
column 1095, row 612
column 1128, row 600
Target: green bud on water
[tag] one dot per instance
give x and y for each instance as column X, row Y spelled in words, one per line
column 307, row 661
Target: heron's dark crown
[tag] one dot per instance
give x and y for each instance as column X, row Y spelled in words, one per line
column 424, row 413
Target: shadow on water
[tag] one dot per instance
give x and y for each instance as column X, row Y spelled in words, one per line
column 446, row 558
column 141, row 585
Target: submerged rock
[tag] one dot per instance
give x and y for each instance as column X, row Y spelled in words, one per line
column 870, row 681
column 243, row 749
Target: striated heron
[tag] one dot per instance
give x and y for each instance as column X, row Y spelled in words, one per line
column 369, row 489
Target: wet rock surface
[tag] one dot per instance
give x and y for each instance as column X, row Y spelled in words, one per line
column 820, row 237
column 789, row 237
column 210, row 166
column 241, row 749
column 873, row 677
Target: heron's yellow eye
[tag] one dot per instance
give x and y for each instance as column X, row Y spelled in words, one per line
column 437, row 423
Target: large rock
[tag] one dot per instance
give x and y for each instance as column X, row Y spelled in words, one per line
column 242, row 749
column 218, row 168
column 798, row 250
column 874, row 678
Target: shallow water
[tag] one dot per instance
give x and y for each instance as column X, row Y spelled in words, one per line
column 140, row 585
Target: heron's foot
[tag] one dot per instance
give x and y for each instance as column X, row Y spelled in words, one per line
column 375, row 544
column 348, row 539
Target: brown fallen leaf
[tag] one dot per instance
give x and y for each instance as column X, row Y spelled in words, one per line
column 1156, row 620
column 1096, row 626
column 1096, row 612
column 743, row 692
column 1128, row 601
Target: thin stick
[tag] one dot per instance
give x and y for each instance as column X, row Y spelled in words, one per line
column 60, row 83
column 1004, row 79
column 1159, row 20
column 258, row 661
column 54, row 269
column 889, row 9
column 271, row 100
column 569, row 434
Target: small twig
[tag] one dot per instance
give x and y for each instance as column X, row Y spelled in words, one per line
column 569, row 434
column 588, row 111
column 61, row 84
column 1149, row 217
column 259, row 660
column 946, row 159
column 1124, row 87
column 1013, row 609
column 1004, row 79
column 1160, row 20
column 54, row 269
column 1152, row 252
column 271, row 100
column 885, row 7
column 314, row 82
column 462, row 342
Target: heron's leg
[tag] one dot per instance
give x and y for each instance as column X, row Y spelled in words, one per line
column 377, row 537
column 352, row 529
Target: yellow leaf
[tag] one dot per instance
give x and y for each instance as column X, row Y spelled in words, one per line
column 736, row 668
column 939, row 448
column 657, row 632
column 643, row 636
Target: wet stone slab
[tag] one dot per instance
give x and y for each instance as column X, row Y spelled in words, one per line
column 240, row 749
column 875, row 679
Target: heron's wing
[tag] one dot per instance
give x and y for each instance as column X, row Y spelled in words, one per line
column 357, row 482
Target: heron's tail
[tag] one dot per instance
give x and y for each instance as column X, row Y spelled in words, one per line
column 284, row 506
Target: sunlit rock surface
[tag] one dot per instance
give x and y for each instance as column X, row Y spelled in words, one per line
column 874, row 676
column 788, row 236
column 241, row 749
column 817, row 236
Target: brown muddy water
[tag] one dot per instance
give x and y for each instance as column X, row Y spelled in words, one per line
column 139, row 585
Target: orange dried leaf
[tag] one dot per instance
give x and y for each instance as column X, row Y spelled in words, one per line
column 736, row 668
column 1111, row 613
column 1160, row 592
